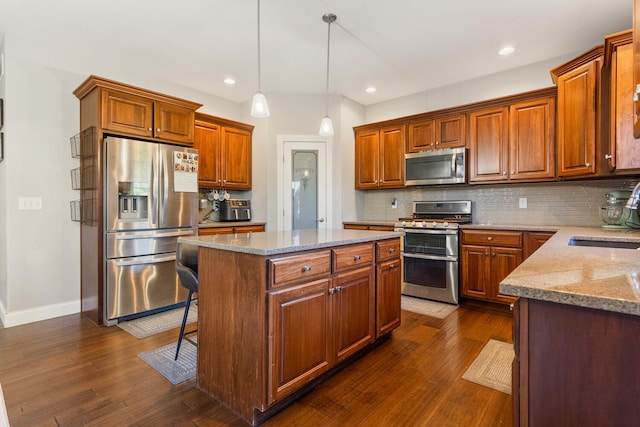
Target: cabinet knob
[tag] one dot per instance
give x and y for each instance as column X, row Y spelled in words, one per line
column 356, row 258
column 306, row 268
column 489, row 238
column 504, row 172
column 392, row 250
column 608, row 156
column 150, row 129
column 588, row 165
column 392, row 266
column 158, row 130
column 332, row 291
column 437, row 143
column 338, row 288
column 493, row 254
column 513, row 172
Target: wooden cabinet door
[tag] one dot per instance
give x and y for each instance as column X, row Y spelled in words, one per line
column 392, row 142
column 215, row 230
column 421, row 136
column 532, row 140
column 353, row 305
column 624, row 148
column 127, row 113
column 173, row 122
column 207, row 141
column 488, row 132
column 299, row 336
column 236, row 158
column 475, row 271
column 533, row 241
column 388, row 289
column 503, row 262
column 366, row 156
column 577, row 104
column 450, row 131
column 249, row 229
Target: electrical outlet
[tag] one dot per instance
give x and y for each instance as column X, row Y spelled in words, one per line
column 522, row 203
column 394, row 203
column 29, row 203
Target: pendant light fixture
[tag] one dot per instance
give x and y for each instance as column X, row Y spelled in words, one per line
column 259, row 107
column 326, row 127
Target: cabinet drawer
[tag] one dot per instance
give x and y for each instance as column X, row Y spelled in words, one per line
column 291, row 269
column 492, row 238
column 387, row 249
column 348, row 257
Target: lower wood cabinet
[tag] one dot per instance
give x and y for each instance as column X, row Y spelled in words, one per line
column 368, row 227
column 488, row 256
column 230, row 230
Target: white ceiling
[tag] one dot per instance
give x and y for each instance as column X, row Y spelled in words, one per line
column 401, row 47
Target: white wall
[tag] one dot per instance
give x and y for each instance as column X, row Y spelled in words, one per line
column 40, row 249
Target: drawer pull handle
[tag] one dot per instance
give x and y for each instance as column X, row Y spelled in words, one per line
column 489, row 238
column 392, row 266
column 306, row 268
column 356, row 258
column 338, row 288
column 392, row 250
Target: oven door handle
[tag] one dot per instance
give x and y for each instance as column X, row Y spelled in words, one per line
column 432, row 257
column 428, row 230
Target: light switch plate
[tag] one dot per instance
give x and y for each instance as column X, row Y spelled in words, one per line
column 29, row 203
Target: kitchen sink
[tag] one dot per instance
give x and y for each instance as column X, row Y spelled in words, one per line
column 617, row 244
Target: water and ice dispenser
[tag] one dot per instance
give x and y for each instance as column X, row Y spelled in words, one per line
column 133, row 200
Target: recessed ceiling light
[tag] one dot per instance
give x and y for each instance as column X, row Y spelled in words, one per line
column 370, row 89
column 507, row 50
column 229, row 81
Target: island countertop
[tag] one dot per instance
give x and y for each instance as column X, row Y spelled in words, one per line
column 594, row 277
column 281, row 242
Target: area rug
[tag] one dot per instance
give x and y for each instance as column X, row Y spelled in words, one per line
column 154, row 324
column 176, row 371
column 427, row 307
column 492, row 367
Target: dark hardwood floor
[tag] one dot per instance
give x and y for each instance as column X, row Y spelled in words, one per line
column 70, row 372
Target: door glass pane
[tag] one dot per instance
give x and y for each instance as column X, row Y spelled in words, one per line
column 304, row 189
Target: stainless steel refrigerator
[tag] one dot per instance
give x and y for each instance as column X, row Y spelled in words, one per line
column 151, row 199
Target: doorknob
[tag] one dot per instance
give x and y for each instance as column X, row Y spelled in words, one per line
column 320, row 220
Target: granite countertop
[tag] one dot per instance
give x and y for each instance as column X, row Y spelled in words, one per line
column 218, row 224
column 281, row 242
column 594, row 277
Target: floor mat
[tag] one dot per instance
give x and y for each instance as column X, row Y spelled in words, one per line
column 161, row 359
column 492, row 367
column 427, row 307
column 154, row 324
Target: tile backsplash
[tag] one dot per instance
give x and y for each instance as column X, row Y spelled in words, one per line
column 554, row 203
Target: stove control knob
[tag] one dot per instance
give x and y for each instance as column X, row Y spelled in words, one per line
column 420, row 224
column 404, row 223
column 434, row 224
column 445, row 224
column 413, row 224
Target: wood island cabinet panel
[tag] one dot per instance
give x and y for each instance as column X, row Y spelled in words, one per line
column 578, row 102
column 300, row 330
column 230, row 230
column 532, row 140
column 388, row 290
column 352, row 256
column 296, row 268
column 353, row 311
column 575, row 366
column 488, row 144
column 387, row 249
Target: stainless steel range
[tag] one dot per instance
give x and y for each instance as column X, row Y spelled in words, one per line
column 430, row 249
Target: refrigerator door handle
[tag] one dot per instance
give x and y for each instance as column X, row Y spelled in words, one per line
column 155, row 235
column 147, row 260
column 164, row 174
column 153, row 202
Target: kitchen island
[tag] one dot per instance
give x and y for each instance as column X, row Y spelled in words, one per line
column 576, row 329
column 280, row 311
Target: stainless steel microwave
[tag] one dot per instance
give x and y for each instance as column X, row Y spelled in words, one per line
column 431, row 167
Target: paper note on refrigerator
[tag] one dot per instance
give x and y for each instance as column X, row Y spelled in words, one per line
column 185, row 172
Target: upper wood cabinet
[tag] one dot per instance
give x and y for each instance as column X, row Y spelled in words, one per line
column 441, row 132
column 379, row 157
column 578, row 106
column 513, row 142
column 622, row 150
column 224, row 149
column 130, row 111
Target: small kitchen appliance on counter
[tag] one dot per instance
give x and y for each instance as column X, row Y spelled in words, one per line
column 620, row 210
column 235, row 210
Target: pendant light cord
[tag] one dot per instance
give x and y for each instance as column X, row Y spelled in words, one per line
column 259, row 69
column 329, row 18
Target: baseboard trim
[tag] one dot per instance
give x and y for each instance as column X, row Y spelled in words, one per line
column 36, row 314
